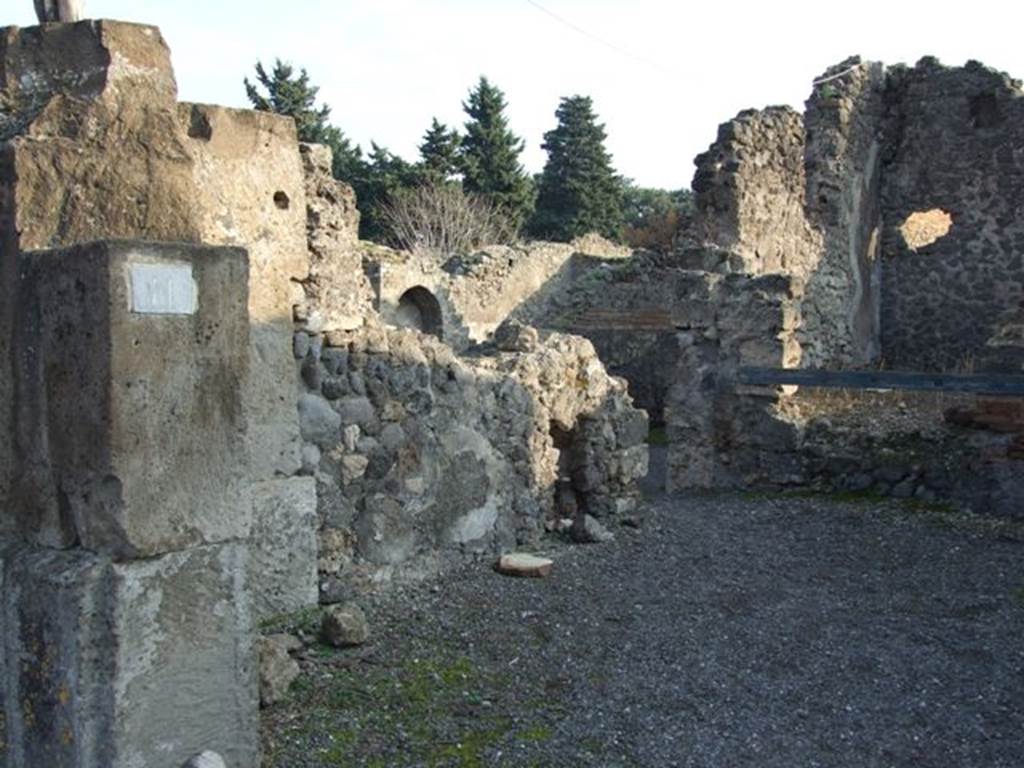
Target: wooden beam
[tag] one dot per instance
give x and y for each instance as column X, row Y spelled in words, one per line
column 981, row 383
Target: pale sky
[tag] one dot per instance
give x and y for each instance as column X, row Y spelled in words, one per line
column 662, row 75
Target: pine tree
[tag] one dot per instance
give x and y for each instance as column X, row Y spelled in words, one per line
column 490, row 154
column 579, row 191
column 293, row 95
column 439, row 153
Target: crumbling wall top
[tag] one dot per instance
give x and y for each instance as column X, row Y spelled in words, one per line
column 103, row 60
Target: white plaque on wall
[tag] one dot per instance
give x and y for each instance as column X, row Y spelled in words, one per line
column 163, row 289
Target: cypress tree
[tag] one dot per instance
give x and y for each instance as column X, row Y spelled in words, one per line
column 490, row 154
column 439, row 153
column 579, row 191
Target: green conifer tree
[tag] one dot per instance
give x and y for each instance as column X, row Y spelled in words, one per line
column 289, row 94
column 579, row 191
column 384, row 175
column 490, row 155
column 439, row 153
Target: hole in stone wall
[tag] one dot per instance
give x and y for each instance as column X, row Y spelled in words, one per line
column 281, row 200
column 199, row 125
column 567, row 500
column 984, row 110
column 923, row 228
column 418, row 308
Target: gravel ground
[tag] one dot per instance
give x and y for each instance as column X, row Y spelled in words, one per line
column 728, row 630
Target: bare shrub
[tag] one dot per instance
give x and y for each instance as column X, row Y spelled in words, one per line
column 440, row 218
column 658, row 232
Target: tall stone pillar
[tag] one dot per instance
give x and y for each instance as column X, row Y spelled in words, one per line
column 127, row 631
column 149, row 437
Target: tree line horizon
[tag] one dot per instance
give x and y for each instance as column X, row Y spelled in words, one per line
column 477, row 171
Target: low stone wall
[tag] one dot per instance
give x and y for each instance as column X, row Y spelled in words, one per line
column 957, row 450
column 936, row 449
column 420, row 455
column 477, row 292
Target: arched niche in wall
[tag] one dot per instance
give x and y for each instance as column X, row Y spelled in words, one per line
column 418, row 308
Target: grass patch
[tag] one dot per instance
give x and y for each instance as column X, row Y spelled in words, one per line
column 438, row 712
column 537, row 734
column 943, row 513
column 307, row 620
column 657, row 436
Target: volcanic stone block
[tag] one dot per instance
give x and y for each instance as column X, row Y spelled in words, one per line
column 283, row 546
column 249, row 190
column 130, row 359
column 87, row 60
column 131, row 664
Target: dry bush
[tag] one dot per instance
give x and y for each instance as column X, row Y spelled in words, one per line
column 657, row 233
column 442, row 219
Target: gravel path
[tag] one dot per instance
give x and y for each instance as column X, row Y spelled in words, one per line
column 726, row 631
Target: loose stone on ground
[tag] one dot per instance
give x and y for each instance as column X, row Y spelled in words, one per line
column 524, row 565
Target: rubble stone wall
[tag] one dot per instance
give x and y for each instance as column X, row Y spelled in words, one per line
column 338, row 292
column 720, row 435
column 842, row 297
column 953, row 143
column 939, row 451
column 420, row 455
column 831, row 194
column 750, row 193
column 798, row 195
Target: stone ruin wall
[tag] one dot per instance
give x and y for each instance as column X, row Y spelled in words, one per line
column 749, row 192
column 358, row 485
column 783, row 193
column 421, row 453
column 477, row 292
column 953, row 141
column 96, row 146
column 877, row 146
column 337, row 291
column 354, row 486
column 823, row 197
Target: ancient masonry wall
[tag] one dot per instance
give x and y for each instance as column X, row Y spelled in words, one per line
column 720, row 435
column 478, row 291
column 783, row 193
column 420, row 455
column 939, row 451
column 338, row 293
column 750, row 194
column 953, row 143
column 95, row 146
column 840, row 323
column 859, row 284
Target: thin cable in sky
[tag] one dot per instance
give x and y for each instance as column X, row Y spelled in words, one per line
column 611, row 46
